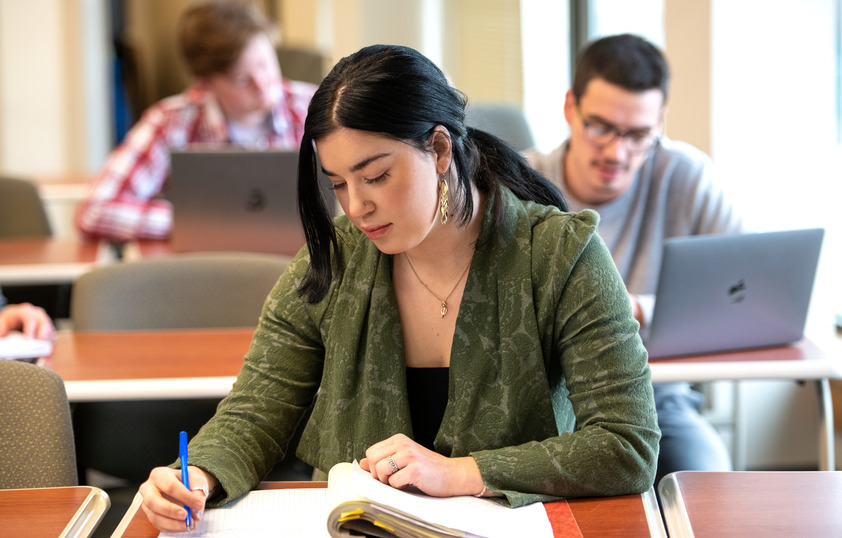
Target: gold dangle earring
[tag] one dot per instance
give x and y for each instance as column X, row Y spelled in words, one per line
column 443, row 199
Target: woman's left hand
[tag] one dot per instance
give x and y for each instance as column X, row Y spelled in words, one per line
column 414, row 465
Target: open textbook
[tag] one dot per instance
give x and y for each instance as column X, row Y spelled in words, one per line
column 362, row 504
column 356, row 504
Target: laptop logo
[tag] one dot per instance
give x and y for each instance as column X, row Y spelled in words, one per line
column 256, row 200
column 737, row 292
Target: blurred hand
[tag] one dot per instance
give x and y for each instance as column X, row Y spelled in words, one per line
column 637, row 311
column 31, row 320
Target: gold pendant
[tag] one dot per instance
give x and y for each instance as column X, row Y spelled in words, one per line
column 443, row 308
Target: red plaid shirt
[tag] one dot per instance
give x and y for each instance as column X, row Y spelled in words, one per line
column 123, row 201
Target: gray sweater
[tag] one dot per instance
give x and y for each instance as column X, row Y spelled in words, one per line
column 673, row 194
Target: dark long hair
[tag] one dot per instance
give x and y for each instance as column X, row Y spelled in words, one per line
column 397, row 92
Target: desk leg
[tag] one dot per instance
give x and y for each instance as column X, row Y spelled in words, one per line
column 740, row 437
column 827, row 450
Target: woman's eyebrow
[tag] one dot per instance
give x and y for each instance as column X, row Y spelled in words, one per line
column 362, row 164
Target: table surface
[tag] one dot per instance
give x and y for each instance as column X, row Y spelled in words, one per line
column 202, row 363
column 713, row 504
column 803, row 360
column 49, row 260
column 38, row 512
column 287, row 245
column 198, row 363
column 623, row 516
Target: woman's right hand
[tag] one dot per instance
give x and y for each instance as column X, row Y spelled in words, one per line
column 164, row 497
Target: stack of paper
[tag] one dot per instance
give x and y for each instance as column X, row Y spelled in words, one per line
column 15, row 346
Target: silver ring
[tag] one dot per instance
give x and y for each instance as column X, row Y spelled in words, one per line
column 393, row 464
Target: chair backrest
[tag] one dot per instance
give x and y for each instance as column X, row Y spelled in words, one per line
column 504, row 121
column 36, row 435
column 22, row 212
column 181, row 291
column 301, row 64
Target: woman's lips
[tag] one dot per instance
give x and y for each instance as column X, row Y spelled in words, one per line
column 376, row 232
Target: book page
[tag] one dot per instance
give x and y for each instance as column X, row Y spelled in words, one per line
column 299, row 512
column 480, row 517
column 15, row 346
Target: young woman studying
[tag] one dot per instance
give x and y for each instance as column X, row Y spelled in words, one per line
column 465, row 334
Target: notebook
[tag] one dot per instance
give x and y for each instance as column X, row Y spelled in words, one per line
column 237, row 200
column 730, row 292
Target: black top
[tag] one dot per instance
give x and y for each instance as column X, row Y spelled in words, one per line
column 427, row 393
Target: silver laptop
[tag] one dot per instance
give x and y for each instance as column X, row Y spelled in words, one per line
column 236, row 200
column 730, row 292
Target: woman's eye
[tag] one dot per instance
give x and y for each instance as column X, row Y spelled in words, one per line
column 336, row 186
column 379, row 178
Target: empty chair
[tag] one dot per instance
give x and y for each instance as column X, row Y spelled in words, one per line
column 506, row 122
column 22, row 216
column 301, row 64
column 36, row 435
column 182, row 291
column 198, row 290
column 22, row 212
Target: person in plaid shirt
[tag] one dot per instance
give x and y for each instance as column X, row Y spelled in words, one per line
column 238, row 98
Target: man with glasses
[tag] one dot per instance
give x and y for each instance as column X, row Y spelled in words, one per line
column 646, row 188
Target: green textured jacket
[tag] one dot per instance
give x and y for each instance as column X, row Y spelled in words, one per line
column 549, row 391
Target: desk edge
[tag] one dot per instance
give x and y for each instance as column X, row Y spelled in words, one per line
column 89, row 515
column 675, row 511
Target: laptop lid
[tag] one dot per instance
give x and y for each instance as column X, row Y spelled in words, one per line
column 236, row 200
column 729, row 292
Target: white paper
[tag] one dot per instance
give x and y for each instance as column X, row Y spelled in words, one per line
column 15, row 346
column 481, row 517
column 299, row 512
column 303, row 512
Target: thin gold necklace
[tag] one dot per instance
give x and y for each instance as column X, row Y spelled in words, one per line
column 443, row 301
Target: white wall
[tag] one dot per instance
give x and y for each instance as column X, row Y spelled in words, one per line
column 773, row 141
column 52, row 86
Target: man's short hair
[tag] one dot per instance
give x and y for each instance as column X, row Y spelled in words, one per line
column 625, row 60
column 213, row 34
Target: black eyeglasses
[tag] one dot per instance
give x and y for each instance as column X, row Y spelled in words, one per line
column 601, row 134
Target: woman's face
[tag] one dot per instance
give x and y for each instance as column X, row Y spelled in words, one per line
column 389, row 189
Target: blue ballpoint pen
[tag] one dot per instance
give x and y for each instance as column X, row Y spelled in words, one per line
column 185, row 479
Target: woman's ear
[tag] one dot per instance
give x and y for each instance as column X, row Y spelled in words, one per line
column 441, row 145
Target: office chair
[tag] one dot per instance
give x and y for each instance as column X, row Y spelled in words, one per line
column 301, row 64
column 23, row 215
column 201, row 290
column 181, row 291
column 36, row 435
column 22, row 212
column 503, row 121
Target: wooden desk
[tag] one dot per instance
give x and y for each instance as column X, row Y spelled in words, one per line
column 204, row 364
column 765, row 504
column 157, row 248
column 628, row 516
column 802, row 361
column 201, row 363
column 65, row 187
column 48, row 260
column 38, row 512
